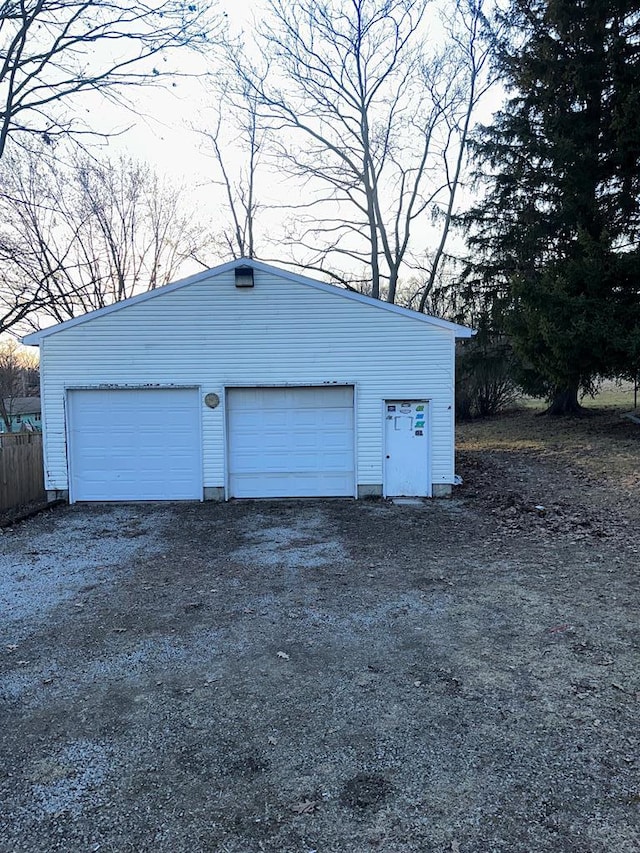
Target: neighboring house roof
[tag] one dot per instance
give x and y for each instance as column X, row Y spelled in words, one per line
column 459, row 331
column 23, row 405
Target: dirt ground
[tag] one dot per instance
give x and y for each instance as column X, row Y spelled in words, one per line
column 336, row 676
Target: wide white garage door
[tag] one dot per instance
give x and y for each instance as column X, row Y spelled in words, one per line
column 134, row 445
column 291, row 442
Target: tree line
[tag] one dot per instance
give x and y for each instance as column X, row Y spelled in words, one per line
column 365, row 115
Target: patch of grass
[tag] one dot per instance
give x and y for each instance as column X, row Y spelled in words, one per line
column 619, row 394
column 612, row 394
column 604, row 444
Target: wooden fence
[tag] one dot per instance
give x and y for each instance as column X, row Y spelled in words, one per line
column 21, row 474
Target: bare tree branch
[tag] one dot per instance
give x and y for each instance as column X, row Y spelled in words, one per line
column 476, row 53
column 236, row 134
column 52, row 51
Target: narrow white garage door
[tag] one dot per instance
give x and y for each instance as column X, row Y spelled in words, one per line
column 134, row 445
column 291, row 442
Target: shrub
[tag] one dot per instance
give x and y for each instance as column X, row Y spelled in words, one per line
column 485, row 377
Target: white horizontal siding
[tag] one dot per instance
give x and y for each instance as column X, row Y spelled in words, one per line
column 211, row 334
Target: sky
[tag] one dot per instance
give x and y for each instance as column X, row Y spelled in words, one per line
column 161, row 125
column 155, row 126
column 165, row 124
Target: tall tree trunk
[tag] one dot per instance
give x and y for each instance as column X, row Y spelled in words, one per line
column 565, row 403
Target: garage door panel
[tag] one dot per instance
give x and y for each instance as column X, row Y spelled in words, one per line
column 290, row 398
column 134, row 444
column 270, row 420
column 273, row 485
column 291, row 442
column 296, row 462
column 315, row 445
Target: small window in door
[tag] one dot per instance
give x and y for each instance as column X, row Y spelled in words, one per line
column 403, row 423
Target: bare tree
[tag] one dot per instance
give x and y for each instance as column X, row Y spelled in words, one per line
column 81, row 236
column 18, row 370
column 235, row 142
column 441, row 296
column 52, row 51
column 370, row 122
column 133, row 232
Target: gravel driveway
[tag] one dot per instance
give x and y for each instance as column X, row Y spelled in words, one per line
column 313, row 676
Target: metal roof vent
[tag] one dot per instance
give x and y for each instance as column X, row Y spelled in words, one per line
column 244, row 276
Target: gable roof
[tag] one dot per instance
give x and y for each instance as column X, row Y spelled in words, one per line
column 23, row 405
column 460, row 331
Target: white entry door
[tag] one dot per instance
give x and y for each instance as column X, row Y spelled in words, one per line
column 406, row 469
column 134, row 444
column 291, row 442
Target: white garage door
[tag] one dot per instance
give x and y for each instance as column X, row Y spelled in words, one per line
column 134, row 445
column 291, row 442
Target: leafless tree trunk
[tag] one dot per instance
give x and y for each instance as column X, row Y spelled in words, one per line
column 51, row 51
column 369, row 122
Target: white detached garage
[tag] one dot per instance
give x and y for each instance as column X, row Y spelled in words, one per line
column 247, row 381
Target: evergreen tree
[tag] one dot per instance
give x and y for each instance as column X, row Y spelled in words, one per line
column 555, row 240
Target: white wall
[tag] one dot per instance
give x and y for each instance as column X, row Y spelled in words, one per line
column 212, row 334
